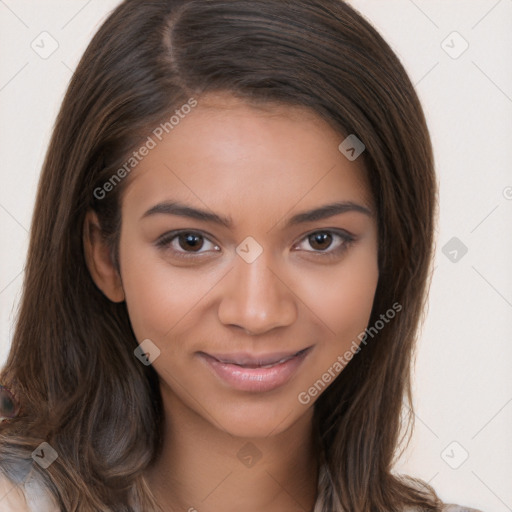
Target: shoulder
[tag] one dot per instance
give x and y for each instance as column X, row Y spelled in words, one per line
column 12, row 498
column 27, row 496
column 445, row 507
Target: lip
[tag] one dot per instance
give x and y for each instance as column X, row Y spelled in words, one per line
column 244, row 358
column 262, row 373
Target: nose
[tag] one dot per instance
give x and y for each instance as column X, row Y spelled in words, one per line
column 256, row 298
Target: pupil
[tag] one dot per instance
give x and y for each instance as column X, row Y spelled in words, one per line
column 193, row 241
column 320, row 239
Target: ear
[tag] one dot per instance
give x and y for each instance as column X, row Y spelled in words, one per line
column 99, row 261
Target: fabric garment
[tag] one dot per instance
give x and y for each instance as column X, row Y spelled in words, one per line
column 25, row 497
column 30, row 497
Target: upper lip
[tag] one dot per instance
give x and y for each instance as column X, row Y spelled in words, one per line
column 244, row 358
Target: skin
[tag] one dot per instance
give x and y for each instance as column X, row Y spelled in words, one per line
column 257, row 166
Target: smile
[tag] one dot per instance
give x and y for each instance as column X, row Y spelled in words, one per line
column 255, row 373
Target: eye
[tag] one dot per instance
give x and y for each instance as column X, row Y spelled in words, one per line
column 327, row 242
column 185, row 244
column 189, row 244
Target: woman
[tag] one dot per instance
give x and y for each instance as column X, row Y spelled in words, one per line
column 228, row 263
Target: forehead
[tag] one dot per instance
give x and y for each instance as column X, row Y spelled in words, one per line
column 225, row 151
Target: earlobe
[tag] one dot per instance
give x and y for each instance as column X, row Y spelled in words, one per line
column 99, row 261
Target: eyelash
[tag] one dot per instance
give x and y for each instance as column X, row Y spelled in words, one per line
column 165, row 241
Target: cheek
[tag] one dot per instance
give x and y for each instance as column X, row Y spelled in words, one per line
column 344, row 304
column 354, row 303
column 159, row 297
column 344, row 299
column 151, row 299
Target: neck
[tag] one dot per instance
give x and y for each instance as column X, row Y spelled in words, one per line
column 205, row 469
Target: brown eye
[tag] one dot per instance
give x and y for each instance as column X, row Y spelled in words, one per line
column 320, row 241
column 326, row 243
column 190, row 241
column 183, row 244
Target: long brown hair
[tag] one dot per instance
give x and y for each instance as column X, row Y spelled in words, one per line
column 71, row 365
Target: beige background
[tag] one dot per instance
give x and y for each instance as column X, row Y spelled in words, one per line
column 463, row 387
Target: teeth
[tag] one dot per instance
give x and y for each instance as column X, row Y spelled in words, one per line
column 270, row 365
column 274, row 364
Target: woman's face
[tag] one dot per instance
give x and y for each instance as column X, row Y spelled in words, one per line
column 228, row 270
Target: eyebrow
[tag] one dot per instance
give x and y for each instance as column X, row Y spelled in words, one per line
column 323, row 212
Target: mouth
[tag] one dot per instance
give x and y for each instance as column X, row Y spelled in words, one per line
column 246, row 372
column 248, row 361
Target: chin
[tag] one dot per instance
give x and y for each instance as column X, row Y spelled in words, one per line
column 259, row 421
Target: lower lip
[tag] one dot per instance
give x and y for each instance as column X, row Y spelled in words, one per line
column 256, row 379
